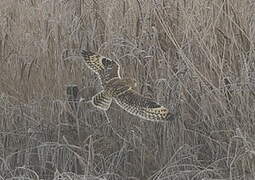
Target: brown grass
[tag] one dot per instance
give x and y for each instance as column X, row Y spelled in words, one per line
column 195, row 57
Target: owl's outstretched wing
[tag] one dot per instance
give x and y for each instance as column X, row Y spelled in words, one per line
column 106, row 68
column 143, row 107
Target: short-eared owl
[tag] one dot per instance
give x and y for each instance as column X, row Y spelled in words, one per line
column 119, row 89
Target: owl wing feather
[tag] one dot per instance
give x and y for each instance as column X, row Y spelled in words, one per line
column 102, row 100
column 143, row 107
column 105, row 68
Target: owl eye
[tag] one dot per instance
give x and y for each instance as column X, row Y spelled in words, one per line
column 106, row 62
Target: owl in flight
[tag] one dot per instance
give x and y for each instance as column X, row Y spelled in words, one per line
column 119, row 89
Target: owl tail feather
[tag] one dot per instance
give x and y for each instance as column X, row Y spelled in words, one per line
column 102, row 100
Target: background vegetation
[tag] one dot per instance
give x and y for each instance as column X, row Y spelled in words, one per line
column 195, row 57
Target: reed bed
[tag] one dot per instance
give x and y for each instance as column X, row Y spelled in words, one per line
column 195, row 57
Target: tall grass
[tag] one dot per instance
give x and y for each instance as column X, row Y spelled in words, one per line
column 195, row 57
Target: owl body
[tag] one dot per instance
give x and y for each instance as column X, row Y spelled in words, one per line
column 118, row 86
column 121, row 90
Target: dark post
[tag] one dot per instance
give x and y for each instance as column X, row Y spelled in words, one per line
column 72, row 92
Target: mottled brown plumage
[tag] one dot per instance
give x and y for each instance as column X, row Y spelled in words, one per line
column 119, row 89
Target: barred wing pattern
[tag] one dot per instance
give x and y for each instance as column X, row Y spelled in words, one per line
column 143, row 107
column 102, row 100
column 105, row 68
